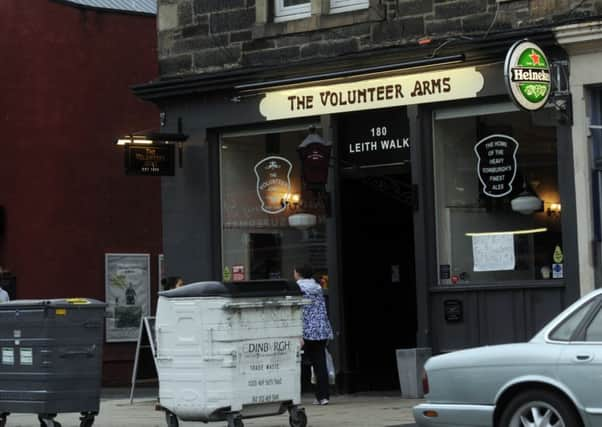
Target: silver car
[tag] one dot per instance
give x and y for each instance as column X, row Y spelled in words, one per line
column 554, row 380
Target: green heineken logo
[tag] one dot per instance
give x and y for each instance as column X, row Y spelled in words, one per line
column 527, row 73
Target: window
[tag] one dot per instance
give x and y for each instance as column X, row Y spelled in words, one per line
column 266, row 212
column 567, row 328
column 287, row 10
column 337, row 6
column 593, row 333
column 497, row 196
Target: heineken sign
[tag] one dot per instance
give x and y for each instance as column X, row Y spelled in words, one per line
column 527, row 74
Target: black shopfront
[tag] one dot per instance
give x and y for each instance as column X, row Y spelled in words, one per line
column 416, row 243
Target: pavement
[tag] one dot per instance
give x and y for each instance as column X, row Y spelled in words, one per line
column 355, row 410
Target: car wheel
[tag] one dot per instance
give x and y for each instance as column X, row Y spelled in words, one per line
column 540, row 408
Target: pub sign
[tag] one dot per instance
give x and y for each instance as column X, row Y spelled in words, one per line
column 150, row 160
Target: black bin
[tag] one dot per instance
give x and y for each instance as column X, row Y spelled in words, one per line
column 51, row 358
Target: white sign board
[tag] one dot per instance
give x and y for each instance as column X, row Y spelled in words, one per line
column 127, row 288
column 493, row 252
column 393, row 91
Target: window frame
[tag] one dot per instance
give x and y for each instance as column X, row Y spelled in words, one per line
column 341, row 6
column 466, row 109
column 284, row 13
column 239, row 132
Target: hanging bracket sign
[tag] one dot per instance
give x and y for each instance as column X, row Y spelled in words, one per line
column 154, row 160
column 496, row 166
column 527, row 75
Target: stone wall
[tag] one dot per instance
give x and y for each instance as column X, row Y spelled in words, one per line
column 201, row 36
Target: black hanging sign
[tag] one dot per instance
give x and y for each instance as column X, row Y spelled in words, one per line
column 374, row 138
column 151, row 160
column 496, row 167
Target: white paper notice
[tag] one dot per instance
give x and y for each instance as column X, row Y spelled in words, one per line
column 493, row 253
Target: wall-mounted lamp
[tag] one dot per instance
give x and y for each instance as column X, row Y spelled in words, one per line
column 298, row 219
column 554, row 209
column 290, row 201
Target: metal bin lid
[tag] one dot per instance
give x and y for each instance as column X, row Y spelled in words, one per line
column 242, row 289
column 56, row 302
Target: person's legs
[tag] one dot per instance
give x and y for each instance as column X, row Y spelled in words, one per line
column 315, row 350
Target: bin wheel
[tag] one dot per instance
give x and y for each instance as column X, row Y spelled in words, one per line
column 86, row 420
column 297, row 418
column 235, row 421
column 47, row 420
column 171, row 419
column 3, row 421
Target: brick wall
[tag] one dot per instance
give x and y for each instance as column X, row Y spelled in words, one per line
column 200, row 36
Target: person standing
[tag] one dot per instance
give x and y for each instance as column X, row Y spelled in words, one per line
column 316, row 330
column 4, row 296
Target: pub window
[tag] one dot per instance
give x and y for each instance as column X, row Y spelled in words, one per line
column 497, row 198
column 270, row 221
column 337, row 6
column 287, row 10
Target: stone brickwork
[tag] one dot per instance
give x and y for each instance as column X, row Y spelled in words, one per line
column 201, row 36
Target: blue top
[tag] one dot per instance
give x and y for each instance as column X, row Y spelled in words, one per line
column 316, row 326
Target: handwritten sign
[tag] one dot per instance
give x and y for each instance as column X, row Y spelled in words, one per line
column 368, row 94
column 496, row 165
column 493, row 252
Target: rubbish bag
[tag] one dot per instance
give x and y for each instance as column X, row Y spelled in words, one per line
column 329, row 368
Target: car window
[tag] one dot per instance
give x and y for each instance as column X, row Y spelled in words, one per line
column 565, row 330
column 594, row 329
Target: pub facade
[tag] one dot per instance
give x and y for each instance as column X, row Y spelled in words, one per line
column 385, row 144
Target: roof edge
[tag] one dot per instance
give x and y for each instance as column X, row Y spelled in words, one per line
column 104, row 9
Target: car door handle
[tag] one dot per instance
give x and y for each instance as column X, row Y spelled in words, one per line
column 583, row 357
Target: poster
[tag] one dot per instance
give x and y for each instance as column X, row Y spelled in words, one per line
column 493, row 252
column 127, row 288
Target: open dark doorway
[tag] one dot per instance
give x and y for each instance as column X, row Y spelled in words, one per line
column 378, row 269
column 378, row 277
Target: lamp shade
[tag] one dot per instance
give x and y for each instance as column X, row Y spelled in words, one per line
column 526, row 203
column 302, row 220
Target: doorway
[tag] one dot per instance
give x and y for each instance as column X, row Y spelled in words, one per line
column 377, row 253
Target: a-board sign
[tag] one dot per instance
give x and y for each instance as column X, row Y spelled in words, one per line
column 153, row 160
column 374, row 138
column 496, row 164
column 145, row 368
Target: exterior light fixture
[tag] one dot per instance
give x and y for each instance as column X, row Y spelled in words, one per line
column 152, row 153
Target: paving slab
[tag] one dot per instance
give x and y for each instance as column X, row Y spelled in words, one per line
column 356, row 410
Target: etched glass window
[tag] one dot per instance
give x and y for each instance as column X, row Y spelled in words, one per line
column 497, row 195
column 270, row 222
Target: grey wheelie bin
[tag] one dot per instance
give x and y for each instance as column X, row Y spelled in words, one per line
column 229, row 351
column 51, row 358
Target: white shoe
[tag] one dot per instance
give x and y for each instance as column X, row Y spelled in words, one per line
column 322, row 402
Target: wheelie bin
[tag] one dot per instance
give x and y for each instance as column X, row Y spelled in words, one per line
column 229, row 351
column 51, row 358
